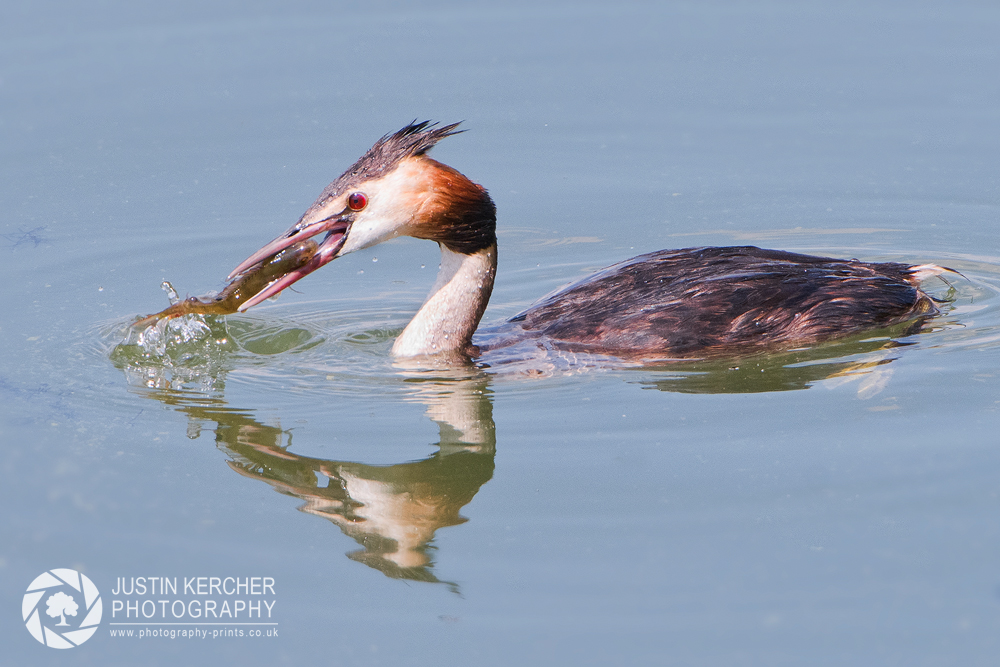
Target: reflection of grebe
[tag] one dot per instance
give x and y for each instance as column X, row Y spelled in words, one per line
column 674, row 303
column 394, row 511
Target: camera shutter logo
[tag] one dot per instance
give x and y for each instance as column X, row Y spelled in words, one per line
column 54, row 605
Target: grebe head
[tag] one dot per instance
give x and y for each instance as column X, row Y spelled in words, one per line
column 395, row 189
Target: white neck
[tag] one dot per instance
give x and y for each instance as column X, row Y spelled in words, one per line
column 451, row 313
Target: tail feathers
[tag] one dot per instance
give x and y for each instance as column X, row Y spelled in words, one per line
column 924, row 271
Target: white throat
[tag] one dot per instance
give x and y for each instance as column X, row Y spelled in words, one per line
column 451, row 313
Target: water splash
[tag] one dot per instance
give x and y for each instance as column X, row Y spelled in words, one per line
column 171, row 292
column 186, row 352
column 171, row 332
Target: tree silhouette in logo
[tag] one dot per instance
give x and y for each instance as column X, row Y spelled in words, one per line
column 60, row 604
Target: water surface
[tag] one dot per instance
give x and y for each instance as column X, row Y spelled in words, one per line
column 830, row 506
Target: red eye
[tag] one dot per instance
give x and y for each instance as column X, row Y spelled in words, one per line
column 357, row 201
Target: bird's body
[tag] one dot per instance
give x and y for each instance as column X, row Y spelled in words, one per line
column 700, row 302
column 690, row 303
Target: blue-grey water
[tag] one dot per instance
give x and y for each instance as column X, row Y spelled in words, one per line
column 831, row 507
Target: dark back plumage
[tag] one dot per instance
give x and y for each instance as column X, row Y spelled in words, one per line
column 700, row 302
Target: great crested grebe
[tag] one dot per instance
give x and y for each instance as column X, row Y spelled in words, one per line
column 690, row 303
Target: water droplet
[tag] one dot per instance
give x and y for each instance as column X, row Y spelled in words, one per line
column 422, row 266
column 171, row 292
column 374, row 259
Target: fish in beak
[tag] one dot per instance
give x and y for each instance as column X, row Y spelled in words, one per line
column 335, row 227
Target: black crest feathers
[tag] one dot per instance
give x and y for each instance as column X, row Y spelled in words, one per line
column 413, row 140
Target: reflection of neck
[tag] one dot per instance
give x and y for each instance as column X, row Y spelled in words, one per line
column 450, row 315
column 392, row 510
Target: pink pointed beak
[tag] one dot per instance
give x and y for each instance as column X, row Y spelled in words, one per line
column 336, row 228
